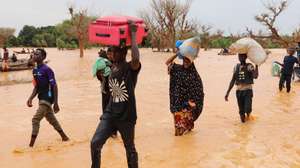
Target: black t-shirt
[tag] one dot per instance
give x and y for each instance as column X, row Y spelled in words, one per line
column 122, row 103
column 105, row 94
column 288, row 64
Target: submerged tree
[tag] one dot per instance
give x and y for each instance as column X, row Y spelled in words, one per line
column 80, row 21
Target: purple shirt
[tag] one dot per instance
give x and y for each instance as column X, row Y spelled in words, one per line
column 44, row 80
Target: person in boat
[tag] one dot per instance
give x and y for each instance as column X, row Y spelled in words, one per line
column 45, row 87
column 224, row 51
column 287, row 69
column 186, row 93
column 23, row 51
column 14, row 58
column 120, row 113
column 243, row 76
column 5, row 60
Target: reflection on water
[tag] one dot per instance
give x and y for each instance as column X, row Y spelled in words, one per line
column 11, row 78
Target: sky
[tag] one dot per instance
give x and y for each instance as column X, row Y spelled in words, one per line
column 232, row 16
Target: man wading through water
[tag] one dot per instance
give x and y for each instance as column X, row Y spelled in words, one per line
column 120, row 113
column 46, row 88
column 243, row 76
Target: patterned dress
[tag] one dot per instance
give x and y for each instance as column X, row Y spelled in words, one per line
column 186, row 97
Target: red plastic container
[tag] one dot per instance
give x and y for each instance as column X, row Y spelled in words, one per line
column 114, row 30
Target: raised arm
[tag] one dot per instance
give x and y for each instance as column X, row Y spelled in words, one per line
column 170, row 60
column 135, row 53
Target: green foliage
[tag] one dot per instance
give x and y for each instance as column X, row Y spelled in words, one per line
column 63, row 35
column 60, row 44
column 13, row 41
column 26, row 35
column 223, row 42
column 270, row 44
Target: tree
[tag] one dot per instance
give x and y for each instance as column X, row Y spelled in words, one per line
column 5, row 33
column 60, row 44
column 205, row 36
column 80, row 21
column 296, row 35
column 167, row 21
column 50, row 39
column 26, row 35
column 13, row 41
column 268, row 20
column 39, row 41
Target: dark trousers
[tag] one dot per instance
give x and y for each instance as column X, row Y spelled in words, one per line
column 285, row 78
column 104, row 131
column 244, row 99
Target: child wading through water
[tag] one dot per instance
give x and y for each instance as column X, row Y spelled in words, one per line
column 287, row 69
column 243, row 76
column 102, row 70
column 46, row 89
column 120, row 113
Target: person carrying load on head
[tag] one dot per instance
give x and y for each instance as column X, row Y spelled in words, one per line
column 120, row 113
column 186, row 91
column 243, row 77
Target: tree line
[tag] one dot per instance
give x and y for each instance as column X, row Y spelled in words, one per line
column 62, row 36
column 69, row 34
column 167, row 21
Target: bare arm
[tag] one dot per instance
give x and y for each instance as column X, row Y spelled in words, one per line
column 55, row 95
column 135, row 53
column 32, row 96
column 230, row 86
column 255, row 72
column 279, row 63
column 170, row 60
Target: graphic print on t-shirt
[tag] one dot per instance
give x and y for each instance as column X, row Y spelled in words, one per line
column 118, row 91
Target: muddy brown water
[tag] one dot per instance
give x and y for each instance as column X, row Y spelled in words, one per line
column 219, row 140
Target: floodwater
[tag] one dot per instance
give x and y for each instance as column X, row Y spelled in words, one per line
column 219, row 140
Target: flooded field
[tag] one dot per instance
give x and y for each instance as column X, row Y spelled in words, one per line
column 219, row 140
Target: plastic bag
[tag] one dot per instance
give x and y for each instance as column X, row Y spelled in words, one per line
column 190, row 48
column 253, row 49
column 276, row 69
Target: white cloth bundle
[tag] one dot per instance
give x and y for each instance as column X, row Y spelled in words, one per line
column 253, row 49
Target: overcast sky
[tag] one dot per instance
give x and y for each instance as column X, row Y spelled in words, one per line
column 229, row 15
